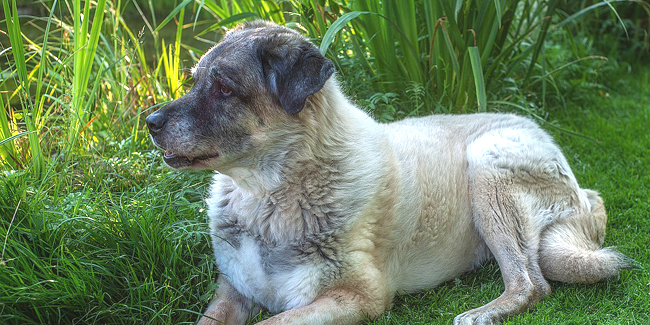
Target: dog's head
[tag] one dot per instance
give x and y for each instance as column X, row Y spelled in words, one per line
column 260, row 74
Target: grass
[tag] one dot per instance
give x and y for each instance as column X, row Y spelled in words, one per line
column 124, row 242
column 125, row 239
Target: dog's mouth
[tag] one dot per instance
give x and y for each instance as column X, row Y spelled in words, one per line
column 177, row 161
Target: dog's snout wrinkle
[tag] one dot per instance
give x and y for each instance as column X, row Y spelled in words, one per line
column 155, row 123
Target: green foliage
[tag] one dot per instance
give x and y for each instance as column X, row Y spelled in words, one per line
column 622, row 27
column 65, row 88
column 434, row 47
column 30, row 111
column 68, row 87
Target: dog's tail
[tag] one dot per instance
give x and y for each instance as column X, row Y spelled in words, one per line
column 570, row 249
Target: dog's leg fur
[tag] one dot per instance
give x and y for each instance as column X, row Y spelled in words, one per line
column 502, row 222
column 228, row 307
column 535, row 219
column 515, row 194
column 334, row 307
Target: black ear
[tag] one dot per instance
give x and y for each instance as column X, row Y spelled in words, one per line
column 295, row 73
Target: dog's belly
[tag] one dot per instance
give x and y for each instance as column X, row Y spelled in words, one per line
column 432, row 262
column 267, row 276
column 437, row 242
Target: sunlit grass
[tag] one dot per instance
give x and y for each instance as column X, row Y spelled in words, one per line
column 30, row 109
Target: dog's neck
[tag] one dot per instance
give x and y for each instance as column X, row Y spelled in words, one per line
column 304, row 170
column 324, row 151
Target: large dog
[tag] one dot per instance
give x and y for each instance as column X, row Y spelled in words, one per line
column 321, row 215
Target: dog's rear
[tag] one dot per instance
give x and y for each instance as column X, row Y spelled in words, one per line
column 570, row 250
column 531, row 213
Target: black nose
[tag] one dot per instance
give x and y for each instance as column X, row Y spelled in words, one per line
column 155, row 122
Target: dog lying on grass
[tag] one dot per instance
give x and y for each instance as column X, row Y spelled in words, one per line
column 321, row 215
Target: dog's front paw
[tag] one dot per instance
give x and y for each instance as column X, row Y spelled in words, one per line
column 209, row 321
column 478, row 316
column 216, row 314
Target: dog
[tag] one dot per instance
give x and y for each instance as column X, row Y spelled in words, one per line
column 321, row 215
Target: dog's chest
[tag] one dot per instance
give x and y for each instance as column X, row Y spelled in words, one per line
column 277, row 274
column 268, row 276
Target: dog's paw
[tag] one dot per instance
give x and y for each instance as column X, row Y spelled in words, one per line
column 209, row 321
column 477, row 316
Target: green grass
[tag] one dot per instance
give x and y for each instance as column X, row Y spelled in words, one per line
column 119, row 238
column 124, row 241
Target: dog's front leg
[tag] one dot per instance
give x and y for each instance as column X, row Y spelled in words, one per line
column 228, row 307
column 334, row 307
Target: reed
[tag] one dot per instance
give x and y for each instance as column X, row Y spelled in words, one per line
column 451, row 47
column 30, row 111
column 86, row 71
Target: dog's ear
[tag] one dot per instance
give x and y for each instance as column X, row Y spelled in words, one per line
column 293, row 73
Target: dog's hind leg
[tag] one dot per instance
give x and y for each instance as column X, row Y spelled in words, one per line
column 570, row 248
column 505, row 224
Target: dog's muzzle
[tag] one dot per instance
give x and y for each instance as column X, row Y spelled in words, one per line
column 156, row 123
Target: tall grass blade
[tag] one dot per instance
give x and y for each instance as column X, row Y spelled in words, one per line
column 17, row 48
column 459, row 4
column 85, row 48
column 450, row 49
column 230, row 20
column 173, row 14
column 41, row 69
column 497, row 6
column 14, row 137
column 481, row 97
column 198, row 13
column 539, row 43
column 564, row 66
column 585, row 10
column 7, row 148
column 336, row 27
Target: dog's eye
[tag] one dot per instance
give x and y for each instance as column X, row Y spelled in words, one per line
column 225, row 92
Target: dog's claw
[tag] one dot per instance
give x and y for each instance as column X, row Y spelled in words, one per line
column 475, row 317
